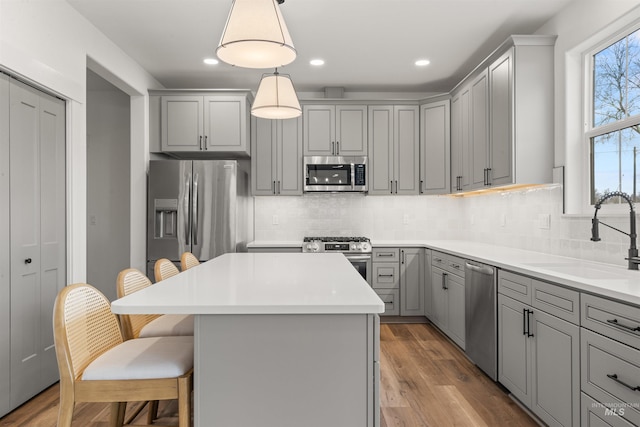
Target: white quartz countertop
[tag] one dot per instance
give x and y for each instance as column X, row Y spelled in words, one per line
column 607, row 280
column 275, row 244
column 259, row 283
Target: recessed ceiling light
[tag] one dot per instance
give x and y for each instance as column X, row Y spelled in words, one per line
column 422, row 62
column 210, row 61
column 317, row 62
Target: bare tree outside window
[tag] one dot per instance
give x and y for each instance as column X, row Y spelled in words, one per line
column 616, row 98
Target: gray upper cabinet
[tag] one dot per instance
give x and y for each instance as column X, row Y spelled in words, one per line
column 394, row 149
column 276, row 166
column 504, row 133
column 460, row 140
column 335, row 130
column 435, row 148
column 479, row 131
column 33, row 262
column 204, row 123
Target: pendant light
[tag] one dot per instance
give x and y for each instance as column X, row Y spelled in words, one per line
column 256, row 36
column 276, row 98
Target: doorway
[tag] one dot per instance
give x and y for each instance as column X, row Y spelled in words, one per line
column 108, row 183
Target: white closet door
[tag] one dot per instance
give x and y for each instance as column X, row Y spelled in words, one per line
column 52, row 226
column 24, row 132
column 37, row 235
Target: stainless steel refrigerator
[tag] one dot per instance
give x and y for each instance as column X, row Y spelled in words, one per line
column 200, row 206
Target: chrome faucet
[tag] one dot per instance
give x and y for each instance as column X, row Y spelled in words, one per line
column 633, row 258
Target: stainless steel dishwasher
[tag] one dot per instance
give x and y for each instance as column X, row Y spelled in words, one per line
column 481, row 316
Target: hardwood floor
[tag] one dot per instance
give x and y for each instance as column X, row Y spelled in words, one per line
column 425, row 381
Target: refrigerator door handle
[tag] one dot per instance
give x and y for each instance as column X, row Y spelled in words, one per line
column 186, row 213
column 195, row 209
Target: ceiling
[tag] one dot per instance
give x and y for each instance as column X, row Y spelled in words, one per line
column 367, row 45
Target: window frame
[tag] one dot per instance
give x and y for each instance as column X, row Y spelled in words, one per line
column 590, row 131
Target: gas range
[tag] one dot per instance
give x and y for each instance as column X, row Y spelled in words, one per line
column 355, row 245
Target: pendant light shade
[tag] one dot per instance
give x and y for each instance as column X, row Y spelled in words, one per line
column 276, row 98
column 256, row 36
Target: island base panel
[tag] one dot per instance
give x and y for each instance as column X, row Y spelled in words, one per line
column 287, row 370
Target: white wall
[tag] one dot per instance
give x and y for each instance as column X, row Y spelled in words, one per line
column 579, row 26
column 108, row 181
column 48, row 43
column 513, row 219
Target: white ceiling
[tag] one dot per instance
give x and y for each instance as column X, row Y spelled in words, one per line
column 368, row 45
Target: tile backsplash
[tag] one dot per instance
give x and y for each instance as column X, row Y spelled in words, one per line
column 528, row 219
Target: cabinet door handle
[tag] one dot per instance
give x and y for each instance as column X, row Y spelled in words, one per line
column 337, row 148
column 274, row 187
column 391, row 186
column 396, row 186
column 444, row 281
column 278, row 190
column 524, row 321
column 529, row 313
column 617, row 324
column 333, row 148
column 205, row 142
column 200, row 142
column 630, row 387
column 488, row 176
column 384, row 254
column 27, row 261
column 402, row 256
column 421, row 185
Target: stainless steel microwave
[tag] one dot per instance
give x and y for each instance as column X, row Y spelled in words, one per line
column 335, row 173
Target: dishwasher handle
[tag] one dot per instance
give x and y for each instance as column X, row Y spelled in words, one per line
column 482, row 269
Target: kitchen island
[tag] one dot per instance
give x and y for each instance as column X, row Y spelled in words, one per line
column 280, row 339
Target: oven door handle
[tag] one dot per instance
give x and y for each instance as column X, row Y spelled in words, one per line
column 358, row 257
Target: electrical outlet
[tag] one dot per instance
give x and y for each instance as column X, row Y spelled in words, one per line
column 275, row 220
column 92, row 220
column 544, row 221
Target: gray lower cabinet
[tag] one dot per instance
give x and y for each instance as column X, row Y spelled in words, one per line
column 412, row 281
column 610, row 378
column 393, row 149
column 539, row 354
column 33, row 261
column 398, row 279
column 276, row 164
column 448, row 296
column 385, row 278
column 595, row 414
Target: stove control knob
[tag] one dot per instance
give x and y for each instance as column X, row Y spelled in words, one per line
column 365, row 247
column 312, row 247
column 353, row 246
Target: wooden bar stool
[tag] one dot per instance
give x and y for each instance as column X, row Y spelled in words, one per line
column 188, row 260
column 97, row 365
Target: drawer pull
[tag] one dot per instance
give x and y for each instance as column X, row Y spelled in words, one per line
column 615, row 322
column 615, row 378
column 387, row 254
column 385, row 275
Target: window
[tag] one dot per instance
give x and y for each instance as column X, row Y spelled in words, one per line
column 614, row 129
